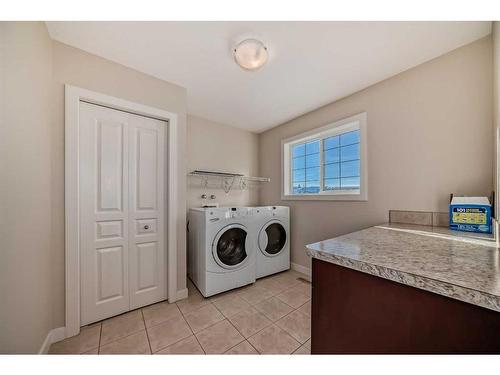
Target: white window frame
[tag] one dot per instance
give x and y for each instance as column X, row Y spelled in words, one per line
column 351, row 123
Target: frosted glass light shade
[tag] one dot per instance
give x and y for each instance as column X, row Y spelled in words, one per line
column 250, row 54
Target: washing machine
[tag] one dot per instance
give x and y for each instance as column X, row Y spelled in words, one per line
column 221, row 251
column 271, row 231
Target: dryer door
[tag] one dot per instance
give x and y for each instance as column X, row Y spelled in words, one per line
column 229, row 247
column 272, row 238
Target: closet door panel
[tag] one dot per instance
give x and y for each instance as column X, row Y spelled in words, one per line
column 146, row 200
column 104, row 249
column 110, row 165
column 147, row 272
column 147, row 144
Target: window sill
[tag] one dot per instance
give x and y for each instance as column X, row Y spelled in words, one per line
column 324, row 197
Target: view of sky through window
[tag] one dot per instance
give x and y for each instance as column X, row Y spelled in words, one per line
column 335, row 160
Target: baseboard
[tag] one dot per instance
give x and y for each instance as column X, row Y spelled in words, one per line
column 181, row 294
column 54, row 335
column 46, row 344
column 302, row 269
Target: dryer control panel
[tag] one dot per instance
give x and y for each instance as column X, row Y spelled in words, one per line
column 227, row 212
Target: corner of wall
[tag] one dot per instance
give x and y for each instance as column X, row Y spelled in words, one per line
column 496, row 110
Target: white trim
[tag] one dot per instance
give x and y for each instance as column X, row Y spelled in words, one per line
column 302, row 269
column 182, row 294
column 337, row 127
column 54, row 335
column 73, row 96
column 46, row 344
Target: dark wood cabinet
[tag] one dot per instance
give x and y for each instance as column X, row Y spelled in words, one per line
column 358, row 313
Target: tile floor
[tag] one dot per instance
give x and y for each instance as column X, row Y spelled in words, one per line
column 271, row 316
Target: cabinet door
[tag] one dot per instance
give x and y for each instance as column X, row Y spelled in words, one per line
column 146, row 201
column 104, row 220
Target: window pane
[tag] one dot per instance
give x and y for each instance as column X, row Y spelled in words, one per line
column 299, row 175
column 350, row 183
column 298, row 150
column 312, row 160
column 349, row 168
column 331, row 156
column 312, row 147
column 331, row 170
column 298, row 187
column 299, row 163
column 322, row 163
column 332, row 184
column 349, row 138
column 349, row 152
column 331, row 142
column 312, row 174
column 312, row 187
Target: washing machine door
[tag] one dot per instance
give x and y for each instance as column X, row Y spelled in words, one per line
column 272, row 238
column 229, row 246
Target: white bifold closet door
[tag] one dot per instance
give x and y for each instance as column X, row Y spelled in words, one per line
column 122, row 236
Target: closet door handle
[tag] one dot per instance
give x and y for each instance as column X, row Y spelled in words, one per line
column 146, row 227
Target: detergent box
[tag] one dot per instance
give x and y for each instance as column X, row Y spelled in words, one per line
column 470, row 214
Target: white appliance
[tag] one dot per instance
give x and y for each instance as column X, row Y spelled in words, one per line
column 271, row 230
column 221, row 251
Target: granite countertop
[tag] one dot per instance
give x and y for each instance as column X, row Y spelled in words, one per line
column 458, row 265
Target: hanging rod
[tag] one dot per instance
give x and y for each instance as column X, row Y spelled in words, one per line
column 257, row 179
column 212, row 173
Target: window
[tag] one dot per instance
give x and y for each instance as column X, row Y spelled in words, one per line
column 327, row 163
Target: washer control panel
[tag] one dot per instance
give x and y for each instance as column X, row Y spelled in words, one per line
column 227, row 213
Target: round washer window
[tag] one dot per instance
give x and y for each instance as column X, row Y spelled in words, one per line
column 231, row 247
column 276, row 238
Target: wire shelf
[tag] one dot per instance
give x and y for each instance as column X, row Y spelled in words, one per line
column 228, row 180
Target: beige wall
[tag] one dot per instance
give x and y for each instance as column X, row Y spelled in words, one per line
column 78, row 68
column 216, row 147
column 34, row 71
column 429, row 134
column 26, row 257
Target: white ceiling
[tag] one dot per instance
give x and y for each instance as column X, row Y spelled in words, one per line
column 311, row 63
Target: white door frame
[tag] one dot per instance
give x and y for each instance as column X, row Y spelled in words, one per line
column 73, row 96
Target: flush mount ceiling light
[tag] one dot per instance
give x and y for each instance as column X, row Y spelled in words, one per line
column 250, row 54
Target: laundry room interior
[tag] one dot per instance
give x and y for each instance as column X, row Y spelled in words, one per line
column 250, row 187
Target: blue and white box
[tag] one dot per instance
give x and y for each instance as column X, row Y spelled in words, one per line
column 470, row 214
